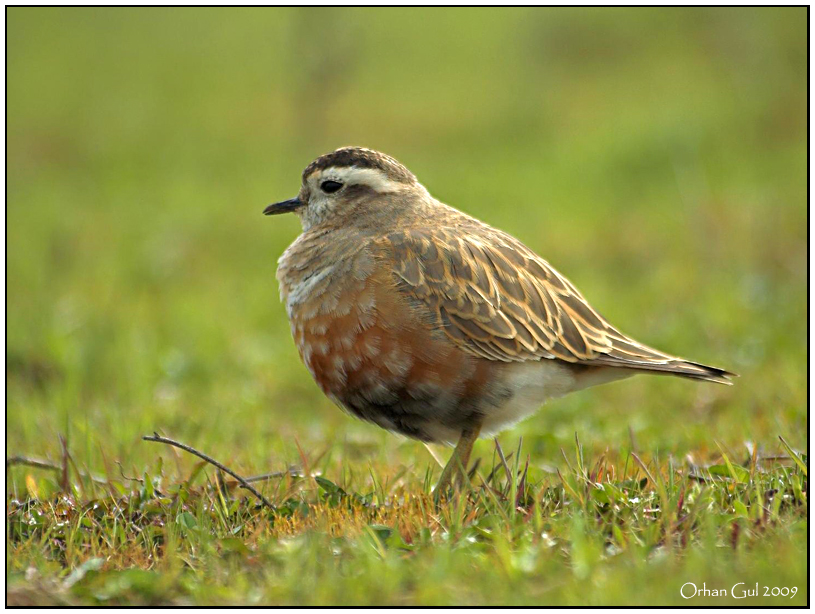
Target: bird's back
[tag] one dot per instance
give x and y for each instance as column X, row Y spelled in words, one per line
column 496, row 298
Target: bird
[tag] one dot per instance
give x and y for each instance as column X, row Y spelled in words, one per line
column 427, row 322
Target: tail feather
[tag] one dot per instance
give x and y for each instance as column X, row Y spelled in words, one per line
column 691, row 370
column 629, row 354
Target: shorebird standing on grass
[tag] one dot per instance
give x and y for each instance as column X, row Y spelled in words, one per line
column 427, row 322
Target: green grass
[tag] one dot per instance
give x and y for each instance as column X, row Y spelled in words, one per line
column 602, row 531
column 657, row 157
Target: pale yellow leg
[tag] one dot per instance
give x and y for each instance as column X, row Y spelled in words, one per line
column 458, row 461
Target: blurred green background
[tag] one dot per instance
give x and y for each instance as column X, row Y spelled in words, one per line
column 657, row 157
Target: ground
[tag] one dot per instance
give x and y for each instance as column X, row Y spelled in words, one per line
column 657, row 157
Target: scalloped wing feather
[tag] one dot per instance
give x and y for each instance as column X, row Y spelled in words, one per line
column 497, row 299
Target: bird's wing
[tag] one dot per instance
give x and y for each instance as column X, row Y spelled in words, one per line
column 497, row 299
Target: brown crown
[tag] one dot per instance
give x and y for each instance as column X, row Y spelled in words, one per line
column 359, row 157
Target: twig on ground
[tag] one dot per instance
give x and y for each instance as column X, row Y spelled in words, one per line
column 171, row 442
column 294, row 472
column 31, row 462
column 39, row 463
column 124, row 477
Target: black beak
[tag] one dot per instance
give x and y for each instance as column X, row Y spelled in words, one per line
column 283, row 207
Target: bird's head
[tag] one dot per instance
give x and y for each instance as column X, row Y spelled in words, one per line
column 349, row 185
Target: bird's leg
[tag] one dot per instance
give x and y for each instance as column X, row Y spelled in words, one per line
column 469, row 438
column 459, row 460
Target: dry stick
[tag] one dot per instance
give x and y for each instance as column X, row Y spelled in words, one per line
column 271, row 476
column 293, row 472
column 31, row 462
column 124, row 477
column 39, row 463
column 264, row 477
column 159, row 439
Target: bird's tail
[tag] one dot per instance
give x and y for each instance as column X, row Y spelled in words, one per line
column 629, row 354
column 688, row 369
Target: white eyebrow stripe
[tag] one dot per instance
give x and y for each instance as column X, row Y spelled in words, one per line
column 352, row 175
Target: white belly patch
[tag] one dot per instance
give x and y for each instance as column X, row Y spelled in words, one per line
column 532, row 384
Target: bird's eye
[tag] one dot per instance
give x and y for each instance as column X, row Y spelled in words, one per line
column 330, row 186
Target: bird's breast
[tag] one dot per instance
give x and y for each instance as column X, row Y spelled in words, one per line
column 376, row 353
